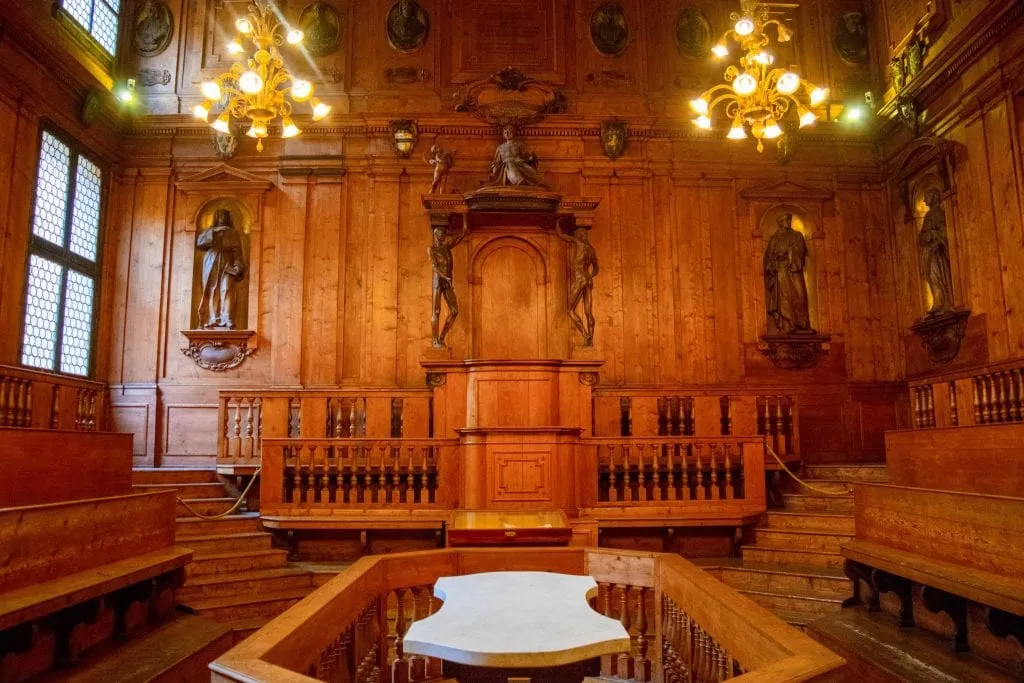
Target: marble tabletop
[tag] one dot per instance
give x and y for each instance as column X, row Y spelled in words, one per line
column 516, row 619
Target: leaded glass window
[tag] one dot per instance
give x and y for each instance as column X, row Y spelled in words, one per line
column 98, row 18
column 63, row 264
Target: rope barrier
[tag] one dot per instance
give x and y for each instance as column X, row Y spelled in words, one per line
column 801, row 481
column 230, row 509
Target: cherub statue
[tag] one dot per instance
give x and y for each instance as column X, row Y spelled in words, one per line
column 442, row 162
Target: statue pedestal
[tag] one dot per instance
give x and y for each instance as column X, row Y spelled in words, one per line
column 942, row 334
column 795, row 350
column 513, row 198
column 218, row 350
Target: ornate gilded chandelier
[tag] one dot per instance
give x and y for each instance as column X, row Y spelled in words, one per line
column 262, row 89
column 756, row 96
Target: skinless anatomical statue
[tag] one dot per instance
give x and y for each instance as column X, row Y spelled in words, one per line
column 441, row 261
column 582, row 270
column 442, row 162
column 223, row 269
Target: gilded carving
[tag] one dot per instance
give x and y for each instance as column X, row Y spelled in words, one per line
column 693, row 34
column 609, row 30
column 152, row 28
column 408, row 25
column 322, row 27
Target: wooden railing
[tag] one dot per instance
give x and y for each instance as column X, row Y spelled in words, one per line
column 29, row 398
column 305, row 475
column 351, row 629
column 247, row 417
column 989, row 395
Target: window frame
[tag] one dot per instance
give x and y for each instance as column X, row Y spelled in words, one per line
column 63, row 255
column 83, row 34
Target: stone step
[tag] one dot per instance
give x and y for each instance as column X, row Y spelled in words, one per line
column 800, row 539
column 801, row 502
column 227, row 543
column 829, row 485
column 253, row 582
column 204, row 506
column 229, row 563
column 795, row 580
column 876, row 649
column 792, row 602
column 245, row 522
column 840, row 524
column 847, row 471
column 180, row 649
column 174, row 475
column 188, row 490
column 248, row 606
column 789, row 556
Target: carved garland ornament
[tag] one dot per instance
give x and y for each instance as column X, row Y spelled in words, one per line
column 218, row 350
column 509, row 97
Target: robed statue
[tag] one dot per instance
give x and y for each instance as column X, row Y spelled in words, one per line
column 582, row 270
column 784, row 284
column 223, row 269
column 512, row 165
column 440, row 253
column 934, row 247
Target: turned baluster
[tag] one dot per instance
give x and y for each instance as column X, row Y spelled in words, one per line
column 420, row 605
column 352, row 419
column 1015, row 400
column 656, row 472
column 641, row 486
column 627, row 491
column 670, row 470
column 249, row 449
column 999, row 405
column 613, row 476
column 642, row 665
column 5, row 399
column 729, row 492
column 701, row 493
column 990, row 412
column 236, row 429
column 430, row 472
column 625, row 664
column 978, row 409
column 918, row 412
column 930, row 405
column 604, row 597
column 954, row 414
column 400, row 667
column 716, row 494
column 684, row 470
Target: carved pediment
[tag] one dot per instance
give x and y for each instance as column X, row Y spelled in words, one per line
column 223, row 178
column 509, row 97
column 784, row 191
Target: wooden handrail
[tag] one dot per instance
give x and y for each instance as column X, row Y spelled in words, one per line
column 43, row 400
column 988, row 394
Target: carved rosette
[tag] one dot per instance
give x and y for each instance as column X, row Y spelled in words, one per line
column 588, row 379
column 218, row 350
column 796, row 351
column 942, row 334
column 436, row 379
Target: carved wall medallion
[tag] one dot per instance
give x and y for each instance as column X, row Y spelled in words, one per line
column 148, row 78
column 408, row 25
column 404, row 134
column 218, row 350
column 906, row 110
column 614, row 135
column 322, row 27
column 609, row 30
column 91, row 106
column 436, row 379
column 851, row 38
column 152, row 28
column 942, row 334
column 693, row 34
column 796, row 351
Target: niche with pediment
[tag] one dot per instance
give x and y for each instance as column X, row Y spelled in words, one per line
column 220, row 270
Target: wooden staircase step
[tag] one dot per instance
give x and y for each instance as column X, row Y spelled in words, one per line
column 243, row 628
column 778, row 579
column 248, row 606
column 231, row 562
column 796, row 602
column 227, row 543
column 848, row 471
column 876, row 649
column 204, row 506
column 802, row 502
column 178, row 650
column 820, row 521
column 174, row 475
column 254, row 582
column 188, row 490
column 800, row 539
column 240, row 523
column 830, row 485
column 791, row 556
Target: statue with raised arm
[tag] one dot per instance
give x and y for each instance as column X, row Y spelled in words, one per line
column 934, row 245
column 442, row 286
column 223, row 269
column 512, row 165
column 442, row 162
column 785, row 288
column 582, row 270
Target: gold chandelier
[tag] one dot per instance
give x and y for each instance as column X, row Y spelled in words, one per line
column 262, row 89
column 757, row 96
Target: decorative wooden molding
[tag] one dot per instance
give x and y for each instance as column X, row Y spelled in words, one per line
column 785, row 191
column 218, row 350
column 922, row 155
column 513, row 199
column 509, row 97
column 796, row 351
column 223, row 178
column 941, row 335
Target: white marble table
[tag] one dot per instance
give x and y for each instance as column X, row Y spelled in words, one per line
column 516, row 619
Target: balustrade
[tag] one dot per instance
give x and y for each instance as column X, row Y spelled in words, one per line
column 994, row 395
column 29, row 398
column 690, row 653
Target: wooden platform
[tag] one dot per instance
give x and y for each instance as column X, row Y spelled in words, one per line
column 489, row 527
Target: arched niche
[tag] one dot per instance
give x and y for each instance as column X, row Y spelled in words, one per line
column 509, row 277
column 918, row 190
column 243, row 221
column 805, row 225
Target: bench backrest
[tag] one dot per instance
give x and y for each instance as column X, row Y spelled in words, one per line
column 46, row 466
column 979, row 458
column 973, row 530
column 44, row 542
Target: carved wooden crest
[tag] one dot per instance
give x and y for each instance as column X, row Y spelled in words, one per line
column 613, row 138
column 509, row 97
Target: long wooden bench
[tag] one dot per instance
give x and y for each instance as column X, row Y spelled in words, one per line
column 958, row 546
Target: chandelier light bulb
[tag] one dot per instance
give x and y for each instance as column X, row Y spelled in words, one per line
column 745, row 26
column 818, row 96
column 788, row 83
column 320, row 109
column 221, row 124
column 737, row 132
column 210, row 90
column 699, row 105
column 235, row 47
column 744, row 84
column 294, row 36
column 202, row 111
column 702, row 122
column 243, row 25
column 807, row 117
column 250, row 82
column 301, row 90
column 257, row 130
column 771, row 130
column 720, row 50
column 289, row 129
column 785, row 34
column 763, row 57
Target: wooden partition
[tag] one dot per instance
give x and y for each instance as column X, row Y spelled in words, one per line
column 990, row 394
column 29, row 398
column 682, row 622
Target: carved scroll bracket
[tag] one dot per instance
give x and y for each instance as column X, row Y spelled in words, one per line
column 218, row 350
column 942, row 334
column 509, row 97
column 796, row 351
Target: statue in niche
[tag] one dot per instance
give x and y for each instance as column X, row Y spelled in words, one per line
column 512, row 165
column 442, row 162
column 785, row 287
column 608, row 29
column 851, row 38
column 582, row 270
column 934, row 245
column 407, row 25
column 223, row 269
column 152, row 28
column 440, row 253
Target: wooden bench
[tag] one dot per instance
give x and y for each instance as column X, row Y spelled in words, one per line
column 958, row 546
column 366, row 522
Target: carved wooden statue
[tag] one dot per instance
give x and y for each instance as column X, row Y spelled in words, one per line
column 582, row 270
column 223, row 269
column 512, row 165
column 934, row 246
column 442, row 162
column 442, row 287
column 785, row 287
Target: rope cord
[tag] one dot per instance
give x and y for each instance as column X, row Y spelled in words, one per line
column 230, row 509
column 801, row 481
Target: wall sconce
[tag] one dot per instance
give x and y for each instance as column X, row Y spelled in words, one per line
column 405, row 136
